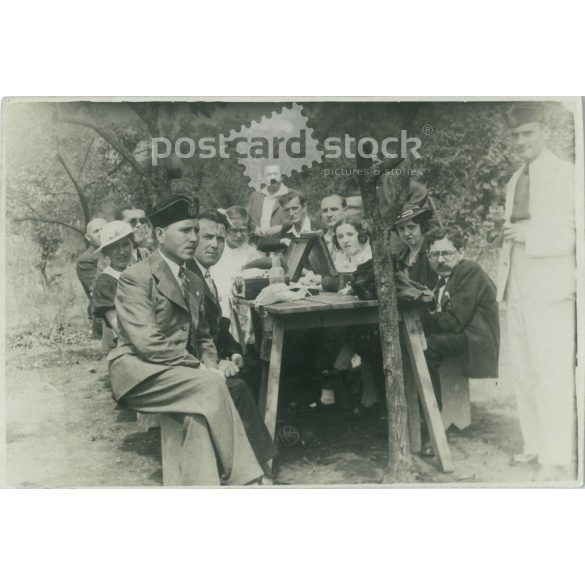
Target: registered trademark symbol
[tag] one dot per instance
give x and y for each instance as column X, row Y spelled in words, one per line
column 427, row 129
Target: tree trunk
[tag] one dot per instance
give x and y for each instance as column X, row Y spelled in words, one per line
column 400, row 465
column 400, row 462
column 42, row 266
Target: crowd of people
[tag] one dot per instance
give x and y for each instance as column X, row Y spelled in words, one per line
column 160, row 289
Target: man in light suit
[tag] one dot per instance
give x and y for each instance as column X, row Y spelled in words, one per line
column 537, row 280
column 166, row 361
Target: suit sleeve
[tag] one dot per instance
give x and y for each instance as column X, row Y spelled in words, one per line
column 137, row 318
column 462, row 304
column 205, row 345
column 227, row 345
column 103, row 295
column 86, row 269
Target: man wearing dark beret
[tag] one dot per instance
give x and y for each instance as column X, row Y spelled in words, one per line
column 166, row 361
column 537, row 280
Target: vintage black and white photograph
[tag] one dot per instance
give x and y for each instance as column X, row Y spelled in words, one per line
column 287, row 292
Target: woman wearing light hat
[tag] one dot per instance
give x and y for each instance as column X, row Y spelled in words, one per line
column 117, row 243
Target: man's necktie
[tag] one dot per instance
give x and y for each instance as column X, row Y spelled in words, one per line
column 211, row 284
column 184, row 283
column 521, row 207
column 437, row 292
column 185, row 290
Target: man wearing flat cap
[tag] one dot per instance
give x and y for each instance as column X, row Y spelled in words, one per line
column 166, row 361
column 537, row 280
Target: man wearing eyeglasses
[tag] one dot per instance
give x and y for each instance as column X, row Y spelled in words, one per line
column 137, row 219
column 465, row 319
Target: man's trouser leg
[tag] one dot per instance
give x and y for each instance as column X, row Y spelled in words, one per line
column 256, row 430
column 190, row 391
column 543, row 336
column 440, row 346
column 197, row 443
column 523, row 378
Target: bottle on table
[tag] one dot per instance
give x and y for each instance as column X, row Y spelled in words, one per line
column 276, row 273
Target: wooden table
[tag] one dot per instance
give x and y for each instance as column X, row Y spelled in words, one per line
column 337, row 310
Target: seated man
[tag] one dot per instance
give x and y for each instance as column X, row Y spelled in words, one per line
column 212, row 236
column 296, row 221
column 166, row 361
column 136, row 218
column 466, row 317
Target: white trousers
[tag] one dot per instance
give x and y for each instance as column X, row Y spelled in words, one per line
column 542, row 355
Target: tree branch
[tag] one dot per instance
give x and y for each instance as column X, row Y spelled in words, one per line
column 50, row 221
column 78, row 189
column 111, row 140
column 84, row 162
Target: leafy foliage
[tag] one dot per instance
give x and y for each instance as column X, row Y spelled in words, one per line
column 466, row 160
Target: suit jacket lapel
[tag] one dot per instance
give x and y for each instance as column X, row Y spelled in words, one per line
column 167, row 284
column 194, row 302
column 446, row 298
column 208, row 294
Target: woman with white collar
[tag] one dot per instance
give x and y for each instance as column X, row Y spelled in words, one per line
column 117, row 243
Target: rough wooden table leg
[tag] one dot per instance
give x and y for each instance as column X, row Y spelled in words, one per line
column 412, row 403
column 415, row 343
column 274, row 377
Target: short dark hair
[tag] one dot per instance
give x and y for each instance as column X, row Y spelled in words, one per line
column 341, row 198
column 453, row 233
column 359, row 226
column 119, row 213
column 237, row 212
column 216, row 217
column 284, row 199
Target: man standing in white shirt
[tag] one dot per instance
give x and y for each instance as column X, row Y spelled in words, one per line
column 265, row 213
column 537, row 281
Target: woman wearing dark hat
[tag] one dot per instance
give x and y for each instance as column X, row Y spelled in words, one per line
column 411, row 226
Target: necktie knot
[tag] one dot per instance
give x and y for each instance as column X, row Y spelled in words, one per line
column 184, row 282
column 211, row 284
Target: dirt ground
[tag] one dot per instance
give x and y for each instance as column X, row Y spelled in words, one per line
column 64, row 429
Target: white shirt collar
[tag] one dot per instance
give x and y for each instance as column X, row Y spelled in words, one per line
column 173, row 266
column 112, row 272
column 204, row 270
column 306, row 227
column 540, row 159
column 282, row 190
column 363, row 256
